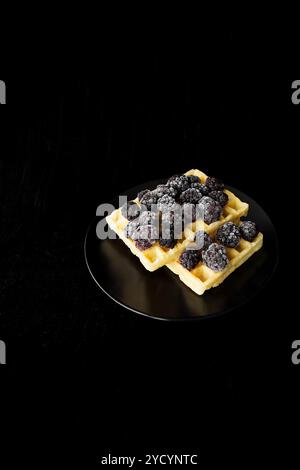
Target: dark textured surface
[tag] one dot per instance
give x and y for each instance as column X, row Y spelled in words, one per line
column 69, row 144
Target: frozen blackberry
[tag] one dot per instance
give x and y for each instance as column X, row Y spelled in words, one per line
column 166, row 203
column 149, row 199
column 203, row 240
column 171, row 225
column 143, row 244
column 179, row 182
column 248, row 230
column 190, row 258
column 141, row 193
column 148, row 232
column 170, row 230
column 131, row 228
column 190, row 196
column 189, row 213
column 145, row 236
column 210, row 210
column 204, row 190
column 194, row 179
column 215, row 257
column 220, row 197
column 173, row 178
column 172, row 217
column 228, row 235
column 130, row 210
column 163, row 189
column 148, row 218
column 134, row 234
column 167, row 242
column 214, row 184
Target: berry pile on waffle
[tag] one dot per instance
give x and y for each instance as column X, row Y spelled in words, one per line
column 188, row 225
column 208, row 266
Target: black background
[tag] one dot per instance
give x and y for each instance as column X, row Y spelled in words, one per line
column 80, row 369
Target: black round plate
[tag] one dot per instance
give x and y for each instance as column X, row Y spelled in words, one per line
column 161, row 294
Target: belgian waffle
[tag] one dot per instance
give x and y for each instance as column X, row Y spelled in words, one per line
column 156, row 256
column 202, row 278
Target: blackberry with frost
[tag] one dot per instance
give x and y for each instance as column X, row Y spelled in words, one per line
column 192, row 212
column 189, row 213
column 204, row 190
column 179, row 182
column 145, row 236
column 193, row 255
column 148, row 218
column 211, row 210
column 190, row 196
column 193, row 180
column 220, row 197
column 130, row 210
column 171, row 229
column 147, row 232
column 190, row 258
column 173, row 218
column 130, row 228
column 142, row 193
column 166, row 203
column 168, row 242
column 228, row 235
column 149, row 199
column 215, row 257
column 163, row 189
column 203, row 240
column 173, row 178
column 214, row 184
column 143, row 244
column 248, row 230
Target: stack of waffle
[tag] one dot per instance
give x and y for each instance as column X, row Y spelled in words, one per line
column 201, row 277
